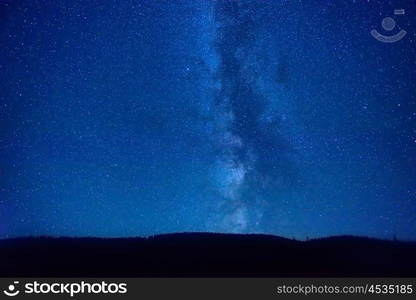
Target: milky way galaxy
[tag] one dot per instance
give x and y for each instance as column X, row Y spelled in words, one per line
column 249, row 141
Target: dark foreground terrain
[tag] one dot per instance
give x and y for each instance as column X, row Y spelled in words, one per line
column 206, row 254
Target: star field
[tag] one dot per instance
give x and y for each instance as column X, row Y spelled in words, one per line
column 135, row 118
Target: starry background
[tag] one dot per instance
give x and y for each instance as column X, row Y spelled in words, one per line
column 132, row 118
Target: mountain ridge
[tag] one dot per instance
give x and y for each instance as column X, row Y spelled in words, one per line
column 206, row 254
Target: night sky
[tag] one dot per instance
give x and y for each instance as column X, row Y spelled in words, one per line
column 133, row 118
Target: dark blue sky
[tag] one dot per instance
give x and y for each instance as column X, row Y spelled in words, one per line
column 125, row 118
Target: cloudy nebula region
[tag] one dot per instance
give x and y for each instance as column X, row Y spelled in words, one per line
column 135, row 118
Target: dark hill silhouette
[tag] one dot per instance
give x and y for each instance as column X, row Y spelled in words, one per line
column 206, row 254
